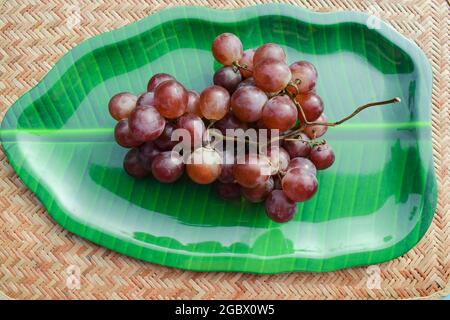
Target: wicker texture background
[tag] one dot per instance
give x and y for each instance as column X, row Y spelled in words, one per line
column 35, row 252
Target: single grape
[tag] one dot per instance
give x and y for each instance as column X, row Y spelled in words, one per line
column 280, row 208
column 279, row 113
column 228, row 191
column 271, row 75
column 302, row 163
column 322, row 156
column 279, row 159
column 316, row 131
column 196, row 128
column 251, row 170
column 247, row 82
column 167, row 167
column 157, row 79
column 306, row 73
column 229, row 122
column 133, row 165
column 227, row 78
column 146, row 123
column 299, row 185
column 299, row 147
column 146, row 99
column 247, row 62
column 269, row 51
column 247, row 103
column 204, row 165
column 147, row 152
column 214, row 102
column 259, row 193
column 123, row 135
column 164, row 141
column 121, row 105
column 311, row 104
column 193, row 105
column 227, row 48
column 171, row 99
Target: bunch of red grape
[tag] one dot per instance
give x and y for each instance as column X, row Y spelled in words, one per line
column 254, row 89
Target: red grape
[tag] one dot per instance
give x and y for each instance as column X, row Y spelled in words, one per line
column 279, row 113
column 251, row 170
column 247, row 62
column 146, row 124
column 247, row 82
column 302, row 163
column 318, row 130
column 193, row 105
column 322, row 156
column 271, row 75
column 298, row 148
column 164, row 141
column 230, row 122
column 228, row 191
column 133, row 165
column 214, row 102
column 227, row 78
column 121, row 105
column 227, row 48
column 204, row 165
column 171, row 99
column 311, row 104
column 167, row 167
column 147, row 152
column 196, row 128
column 280, row 208
column 157, row 79
column 146, row 99
column 306, row 73
column 247, row 103
column 123, row 135
column 269, row 51
column 299, row 185
column 259, row 193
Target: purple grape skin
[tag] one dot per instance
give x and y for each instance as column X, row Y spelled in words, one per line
column 167, row 167
column 133, row 164
column 146, row 124
column 279, row 207
column 164, row 141
column 157, row 79
column 147, row 152
column 302, row 163
column 228, row 191
column 226, row 77
column 123, row 136
column 322, row 156
column 260, row 193
column 146, row 99
column 298, row 148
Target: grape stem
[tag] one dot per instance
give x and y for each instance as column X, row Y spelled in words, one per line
column 238, row 66
column 331, row 124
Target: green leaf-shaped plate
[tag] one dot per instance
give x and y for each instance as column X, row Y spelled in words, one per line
column 373, row 204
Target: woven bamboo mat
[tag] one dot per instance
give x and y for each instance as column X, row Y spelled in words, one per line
column 35, row 252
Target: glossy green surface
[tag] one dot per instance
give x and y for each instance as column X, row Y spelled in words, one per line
column 374, row 204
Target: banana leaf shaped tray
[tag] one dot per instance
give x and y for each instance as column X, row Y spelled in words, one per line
column 374, row 204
